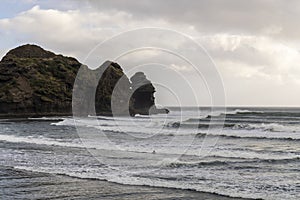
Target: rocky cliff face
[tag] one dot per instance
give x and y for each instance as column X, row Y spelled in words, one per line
column 142, row 99
column 143, row 94
column 99, row 85
column 36, row 82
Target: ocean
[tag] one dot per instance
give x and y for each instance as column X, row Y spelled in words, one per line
column 238, row 152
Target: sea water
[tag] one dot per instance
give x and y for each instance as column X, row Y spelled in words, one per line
column 240, row 152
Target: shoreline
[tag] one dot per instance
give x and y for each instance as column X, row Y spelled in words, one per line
column 36, row 185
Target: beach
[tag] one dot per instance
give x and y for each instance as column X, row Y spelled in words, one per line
column 21, row 184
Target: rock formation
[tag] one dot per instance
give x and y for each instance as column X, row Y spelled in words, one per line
column 143, row 96
column 99, row 85
column 36, row 82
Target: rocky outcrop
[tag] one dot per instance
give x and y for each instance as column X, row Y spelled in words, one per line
column 36, row 82
column 93, row 89
column 142, row 99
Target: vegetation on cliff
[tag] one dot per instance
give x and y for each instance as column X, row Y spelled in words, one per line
column 35, row 82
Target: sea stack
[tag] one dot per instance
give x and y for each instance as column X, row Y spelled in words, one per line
column 143, row 100
column 143, row 94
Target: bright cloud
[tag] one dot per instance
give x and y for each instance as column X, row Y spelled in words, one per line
column 244, row 49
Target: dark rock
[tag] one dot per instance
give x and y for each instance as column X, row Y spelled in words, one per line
column 143, row 94
column 36, row 82
column 143, row 100
column 99, row 85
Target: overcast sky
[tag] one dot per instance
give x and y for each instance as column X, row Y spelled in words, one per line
column 254, row 46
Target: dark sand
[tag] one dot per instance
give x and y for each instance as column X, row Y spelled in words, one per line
column 20, row 184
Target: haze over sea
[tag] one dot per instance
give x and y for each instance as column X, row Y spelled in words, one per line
column 256, row 155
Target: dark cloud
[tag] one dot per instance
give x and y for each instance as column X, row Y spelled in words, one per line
column 277, row 17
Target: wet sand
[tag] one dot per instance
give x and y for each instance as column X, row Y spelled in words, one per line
column 20, row 184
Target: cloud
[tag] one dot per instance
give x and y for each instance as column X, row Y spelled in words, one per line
column 71, row 31
column 250, row 55
column 254, row 41
column 184, row 68
column 275, row 18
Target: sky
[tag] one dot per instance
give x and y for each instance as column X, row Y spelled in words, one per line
column 196, row 52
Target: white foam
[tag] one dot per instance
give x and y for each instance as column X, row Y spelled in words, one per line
column 39, row 140
column 274, row 127
column 211, row 185
column 156, row 127
column 46, row 118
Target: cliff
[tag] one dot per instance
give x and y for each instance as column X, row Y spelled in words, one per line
column 142, row 99
column 36, row 82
